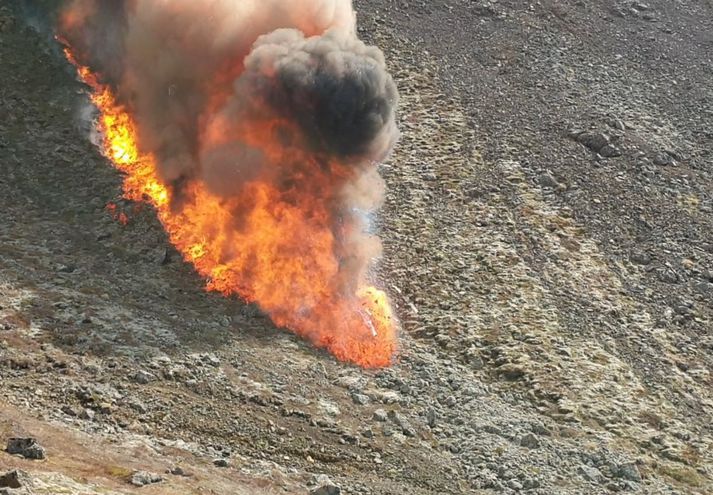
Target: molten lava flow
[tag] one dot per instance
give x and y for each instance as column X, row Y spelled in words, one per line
column 281, row 254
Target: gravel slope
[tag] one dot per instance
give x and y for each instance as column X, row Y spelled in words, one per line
column 547, row 243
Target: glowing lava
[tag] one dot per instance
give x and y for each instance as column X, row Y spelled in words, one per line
column 280, row 255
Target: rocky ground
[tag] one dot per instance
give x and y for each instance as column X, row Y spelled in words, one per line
column 548, row 245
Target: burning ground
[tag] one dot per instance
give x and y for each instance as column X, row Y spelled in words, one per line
column 555, row 303
column 255, row 130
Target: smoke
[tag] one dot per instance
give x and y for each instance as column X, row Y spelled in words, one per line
column 275, row 106
column 178, row 64
column 332, row 88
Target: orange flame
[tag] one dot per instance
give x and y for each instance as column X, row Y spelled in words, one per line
column 358, row 328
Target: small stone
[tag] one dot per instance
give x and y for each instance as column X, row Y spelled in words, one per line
column 330, row 408
column 511, row 372
column 515, row 485
column 590, row 473
column 396, row 417
column 26, row 447
column 547, row 180
column 683, row 310
column 476, row 362
column 367, row 433
column 610, row 151
column 143, row 478
column 529, row 483
column 223, row 463
column 664, row 159
column 88, row 414
column 144, row 377
column 163, row 256
column 640, row 258
column 325, row 486
column 530, row 441
column 613, row 487
column 176, row 471
column 615, row 123
column 360, row 399
column 211, row 360
column 70, row 411
column 138, row 406
column 402, row 423
column 408, row 431
column 14, row 479
column 380, row 415
column 667, row 275
column 431, row 418
column 595, row 141
column 541, row 430
column 628, row 471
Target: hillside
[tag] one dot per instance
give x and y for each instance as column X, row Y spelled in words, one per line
column 548, row 234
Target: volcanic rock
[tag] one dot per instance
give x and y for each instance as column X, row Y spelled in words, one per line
column 547, row 180
column 399, row 420
column 640, row 258
column 595, row 141
column 380, row 415
column 431, row 416
column 610, row 151
column 325, row 486
column 664, row 159
column 143, row 478
column 87, row 414
column 144, row 377
column 668, row 275
column 178, row 471
column 14, row 479
column 530, row 440
column 628, row 471
column 360, row 399
column 70, row 411
column 26, row 447
column 590, row 473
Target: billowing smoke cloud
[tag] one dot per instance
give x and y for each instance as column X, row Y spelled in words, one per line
column 263, row 102
column 180, row 63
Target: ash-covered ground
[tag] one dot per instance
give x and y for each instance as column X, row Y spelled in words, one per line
column 548, row 245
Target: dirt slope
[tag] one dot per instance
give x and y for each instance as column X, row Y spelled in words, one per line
column 549, row 247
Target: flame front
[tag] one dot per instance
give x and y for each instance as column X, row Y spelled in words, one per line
column 263, row 261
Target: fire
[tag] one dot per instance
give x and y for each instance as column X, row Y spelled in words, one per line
column 281, row 256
